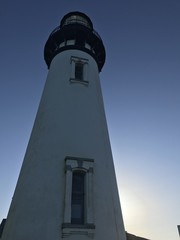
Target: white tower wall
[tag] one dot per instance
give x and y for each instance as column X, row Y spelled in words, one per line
column 69, row 133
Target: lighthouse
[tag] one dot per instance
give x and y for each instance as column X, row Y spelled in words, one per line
column 67, row 186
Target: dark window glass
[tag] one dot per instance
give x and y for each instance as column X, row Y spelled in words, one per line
column 77, row 202
column 79, row 71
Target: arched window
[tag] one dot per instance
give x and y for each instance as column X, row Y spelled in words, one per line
column 77, row 198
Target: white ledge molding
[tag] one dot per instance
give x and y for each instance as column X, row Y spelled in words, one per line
column 73, row 229
column 74, row 80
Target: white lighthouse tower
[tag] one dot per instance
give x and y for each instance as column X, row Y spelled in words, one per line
column 67, row 186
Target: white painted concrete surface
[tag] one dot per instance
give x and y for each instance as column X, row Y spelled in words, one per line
column 70, row 122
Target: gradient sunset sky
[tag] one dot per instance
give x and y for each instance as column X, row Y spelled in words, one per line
column 141, row 89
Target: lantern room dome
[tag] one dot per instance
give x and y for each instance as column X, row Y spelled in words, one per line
column 76, row 18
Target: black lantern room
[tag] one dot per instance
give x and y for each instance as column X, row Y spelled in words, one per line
column 75, row 32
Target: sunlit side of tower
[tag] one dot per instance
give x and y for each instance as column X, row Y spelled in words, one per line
column 67, row 186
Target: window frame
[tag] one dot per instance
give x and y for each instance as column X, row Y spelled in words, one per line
column 82, row 63
column 84, row 166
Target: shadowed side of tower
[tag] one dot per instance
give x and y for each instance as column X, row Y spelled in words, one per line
column 67, row 186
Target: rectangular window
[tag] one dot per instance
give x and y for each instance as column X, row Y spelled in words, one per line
column 79, row 67
column 79, row 71
column 77, row 201
column 78, row 204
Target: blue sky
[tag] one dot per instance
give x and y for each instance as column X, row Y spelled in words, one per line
column 140, row 83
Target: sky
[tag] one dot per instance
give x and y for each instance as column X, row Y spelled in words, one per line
column 141, row 90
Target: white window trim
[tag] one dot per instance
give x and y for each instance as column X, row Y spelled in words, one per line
column 86, row 165
column 83, row 61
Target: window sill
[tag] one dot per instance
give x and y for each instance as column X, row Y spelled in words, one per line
column 69, row 229
column 74, row 80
